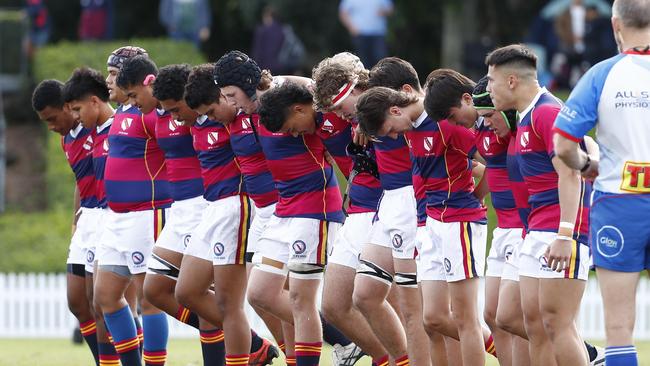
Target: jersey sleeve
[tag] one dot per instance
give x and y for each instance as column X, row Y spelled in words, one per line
column 543, row 118
column 580, row 113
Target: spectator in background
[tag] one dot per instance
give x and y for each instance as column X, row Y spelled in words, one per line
column 186, row 19
column 39, row 23
column 570, row 27
column 267, row 43
column 599, row 37
column 366, row 22
column 96, row 21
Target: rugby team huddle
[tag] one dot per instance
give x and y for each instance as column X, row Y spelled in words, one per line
column 216, row 184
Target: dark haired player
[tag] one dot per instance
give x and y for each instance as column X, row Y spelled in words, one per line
column 76, row 141
column 555, row 246
column 313, row 213
column 138, row 197
column 87, row 95
column 442, row 156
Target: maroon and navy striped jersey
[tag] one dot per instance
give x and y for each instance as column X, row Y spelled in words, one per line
column 336, row 134
column 494, row 150
column 221, row 175
column 251, row 160
column 394, row 162
column 78, row 148
column 442, row 163
column 535, row 152
column 135, row 176
column 183, row 168
column 305, row 181
column 517, row 183
column 100, row 153
column 365, row 189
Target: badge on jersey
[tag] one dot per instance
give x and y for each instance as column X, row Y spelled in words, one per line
column 636, row 177
column 126, row 123
column 213, row 138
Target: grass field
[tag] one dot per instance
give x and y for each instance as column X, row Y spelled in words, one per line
column 181, row 352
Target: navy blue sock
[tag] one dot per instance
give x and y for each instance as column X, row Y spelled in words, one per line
column 156, row 333
column 332, row 335
column 125, row 336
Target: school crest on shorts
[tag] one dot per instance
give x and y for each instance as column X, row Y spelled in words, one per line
column 299, row 246
column 137, row 258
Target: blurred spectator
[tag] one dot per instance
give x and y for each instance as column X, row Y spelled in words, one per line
column 186, row 19
column 267, row 42
column 96, row 21
column 275, row 45
column 599, row 37
column 39, row 23
column 366, row 22
column 570, row 27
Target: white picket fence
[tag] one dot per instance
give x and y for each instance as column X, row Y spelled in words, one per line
column 35, row 306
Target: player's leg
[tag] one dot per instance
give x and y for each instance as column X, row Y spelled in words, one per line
column 337, row 307
column 371, row 287
column 509, row 312
column 230, row 292
column 79, row 305
column 541, row 351
column 160, row 283
column 273, row 324
column 154, row 325
column 111, row 284
column 559, row 305
column 502, row 339
column 193, row 286
column 410, row 304
column 307, row 258
column 618, row 291
column 463, row 249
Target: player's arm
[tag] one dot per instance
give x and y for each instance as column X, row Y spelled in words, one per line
column 481, row 188
column 75, row 212
column 569, row 183
column 576, row 118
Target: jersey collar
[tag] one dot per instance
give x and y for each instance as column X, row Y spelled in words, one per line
column 103, row 126
column 420, row 119
column 541, row 91
column 75, row 131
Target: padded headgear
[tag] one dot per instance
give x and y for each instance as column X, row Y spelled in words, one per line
column 236, row 68
column 117, row 57
column 482, row 100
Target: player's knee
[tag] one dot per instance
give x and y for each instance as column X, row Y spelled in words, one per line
column 184, row 294
column 434, row 321
column 78, row 305
column 505, row 320
column 490, row 317
column 333, row 309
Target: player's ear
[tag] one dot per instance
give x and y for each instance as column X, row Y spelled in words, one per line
column 395, row 110
column 406, row 88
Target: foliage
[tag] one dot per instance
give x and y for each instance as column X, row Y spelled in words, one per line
column 57, row 61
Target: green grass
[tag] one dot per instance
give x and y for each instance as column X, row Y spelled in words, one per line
column 181, row 352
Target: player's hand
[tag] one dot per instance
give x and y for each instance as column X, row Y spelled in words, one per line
column 592, row 172
column 558, row 254
column 360, row 138
column 73, row 228
column 329, row 158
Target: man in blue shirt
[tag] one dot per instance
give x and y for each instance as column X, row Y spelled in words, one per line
column 366, row 22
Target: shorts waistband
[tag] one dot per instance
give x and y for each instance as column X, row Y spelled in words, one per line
column 399, row 191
